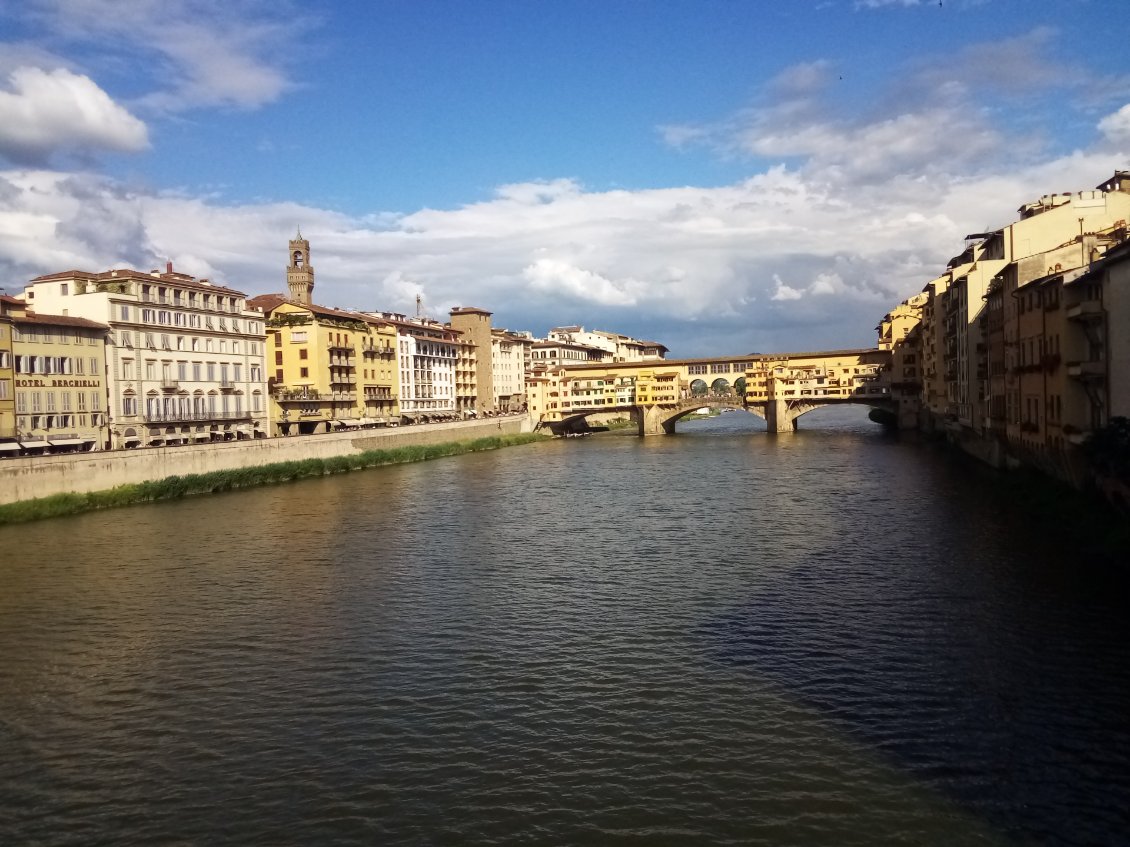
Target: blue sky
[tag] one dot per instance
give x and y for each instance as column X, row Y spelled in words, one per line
column 719, row 176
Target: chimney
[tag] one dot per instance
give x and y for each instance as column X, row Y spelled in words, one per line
column 169, row 266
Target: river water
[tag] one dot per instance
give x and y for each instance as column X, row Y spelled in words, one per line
column 722, row 637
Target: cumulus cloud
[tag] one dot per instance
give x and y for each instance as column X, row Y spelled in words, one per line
column 1116, row 127
column 785, row 292
column 46, row 112
column 555, row 276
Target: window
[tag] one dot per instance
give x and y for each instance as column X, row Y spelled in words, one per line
column 304, row 372
column 95, row 401
column 127, row 368
column 182, row 371
column 303, row 353
column 150, row 369
column 278, row 357
column 81, row 397
column 67, row 401
column 211, row 371
column 129, row 405
column 237, row 372
column 78, row 364
column 124, row 312
column 93, row 365
column 298, row 338
column 196, row 371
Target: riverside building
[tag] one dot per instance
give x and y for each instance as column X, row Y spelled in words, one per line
column 57, row 365
column 1018, row 344
column 184, row 360
column 329, row 369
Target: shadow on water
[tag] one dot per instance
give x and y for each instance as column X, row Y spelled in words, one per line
column 980, row 657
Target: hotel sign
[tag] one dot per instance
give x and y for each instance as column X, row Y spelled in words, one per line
column 58, row 383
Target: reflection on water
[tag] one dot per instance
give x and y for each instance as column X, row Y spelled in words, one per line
column 831, row 637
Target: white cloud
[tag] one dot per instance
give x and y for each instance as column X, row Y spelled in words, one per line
column 552, row 276
column 1116, row 127
column 198, row 53
column 46, row 112
column 778, row 261
column 785, row 292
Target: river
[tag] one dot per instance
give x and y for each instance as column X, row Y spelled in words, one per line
column 832, row 637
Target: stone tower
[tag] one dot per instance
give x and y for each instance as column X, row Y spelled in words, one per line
column 300, row 273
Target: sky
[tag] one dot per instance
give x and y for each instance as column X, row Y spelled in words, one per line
column 722, row 177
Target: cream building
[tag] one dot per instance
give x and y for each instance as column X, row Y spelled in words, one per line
column 185, row 358
column 8, row 444
column 509, row 355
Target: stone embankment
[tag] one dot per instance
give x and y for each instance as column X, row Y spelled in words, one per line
column 44, row 476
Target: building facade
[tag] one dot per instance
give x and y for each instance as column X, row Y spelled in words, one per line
column 58, row 365
column 185, row 357
column 328, row 369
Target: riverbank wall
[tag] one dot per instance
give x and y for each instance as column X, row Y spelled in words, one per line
column 44, row 476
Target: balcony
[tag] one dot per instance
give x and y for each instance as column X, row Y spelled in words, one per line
column 340, row 345
column 297, row 395
column 1087, row 371
column 227, row 386
column 186, row 417
column 1087, row 310
column 170, row 385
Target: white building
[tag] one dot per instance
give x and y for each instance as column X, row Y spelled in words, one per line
column 184, row 357
column 509, row 356
column 427, row 353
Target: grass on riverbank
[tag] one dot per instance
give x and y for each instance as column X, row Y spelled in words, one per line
column 175, row 487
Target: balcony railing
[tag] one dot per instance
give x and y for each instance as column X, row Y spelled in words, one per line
column 170, row 384
column 1087, row 310
column 1086, row 370
column 227, row 385
column 183, row 417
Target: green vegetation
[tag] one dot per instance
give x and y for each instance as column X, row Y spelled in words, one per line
column 175, row 487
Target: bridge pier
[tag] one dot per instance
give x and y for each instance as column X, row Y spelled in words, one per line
column 651, row 421
column 778, row 416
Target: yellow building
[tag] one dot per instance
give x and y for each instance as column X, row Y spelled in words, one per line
column 58, row 366
column 328, row 369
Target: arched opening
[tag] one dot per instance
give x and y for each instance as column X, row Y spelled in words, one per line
column 699, row 387
column 739, row 387
column 720, row 386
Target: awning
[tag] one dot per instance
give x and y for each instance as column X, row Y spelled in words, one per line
column 65, row 442
column 8, row 446
column 155, row 441
column 132, row 441
column 203, row 438
column 34, row 445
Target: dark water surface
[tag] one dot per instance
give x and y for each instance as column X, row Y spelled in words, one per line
column 828, row 638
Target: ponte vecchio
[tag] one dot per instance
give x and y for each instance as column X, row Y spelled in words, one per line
column 777, row 387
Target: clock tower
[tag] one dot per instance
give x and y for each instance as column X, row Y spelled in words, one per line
column 300, row 273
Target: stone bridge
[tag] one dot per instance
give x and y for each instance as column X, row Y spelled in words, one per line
column 660, row 418
column 778, row 388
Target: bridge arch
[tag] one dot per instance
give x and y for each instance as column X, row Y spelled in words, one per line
column 699, row 386
column 720, row 385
